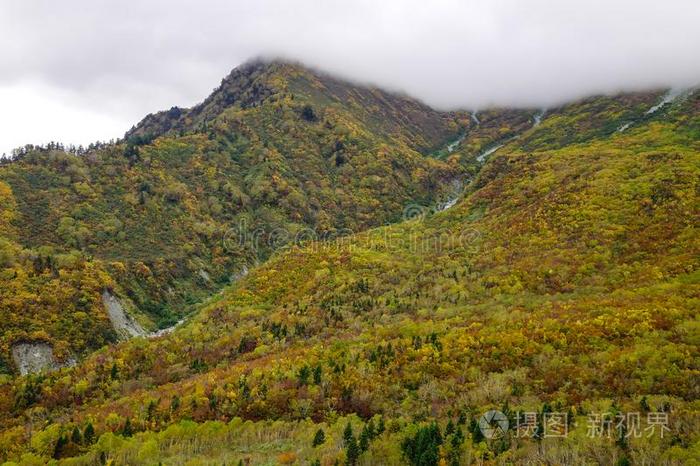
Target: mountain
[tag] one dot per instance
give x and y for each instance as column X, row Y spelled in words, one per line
column 258, row 83
column 191, row 199
column 164, row 219
column 561, row 278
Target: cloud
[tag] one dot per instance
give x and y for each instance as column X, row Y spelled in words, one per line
column 121, row 60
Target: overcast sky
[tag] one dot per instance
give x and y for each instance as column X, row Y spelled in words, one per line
column 83, row 70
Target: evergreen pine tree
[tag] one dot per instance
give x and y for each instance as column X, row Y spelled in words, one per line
column 381, row 427
column 89, row 433
column 458, row 437
column 475, row 430
column 303, row 375
column 127, row 431
column 364, row 439
column 644, row 405
column 462, row 419
column 60, row 446
column 422, row 449
column 175, row 403
column 450, row 428
column 76, row 437
column 371, row 429
column 353, row 452
column 150, row 410
column 319, row 438
column 347, row 434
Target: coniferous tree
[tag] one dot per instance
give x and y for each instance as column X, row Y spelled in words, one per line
column 308, row 113
column 127, row 431
column 89, row 433
column 175, row 403
column 76, row 437
column 317, row 375
column 60, row 446
column 150, row 410
column 353, row 451
column 458, row 437
column 347, row 434
column 475, row 430
column 365, row 436
column 644, row 405
column 371, row 430
column 422, row 449
column 303, row 375
column 450, row 428
column 319, row 438
column 381, row 427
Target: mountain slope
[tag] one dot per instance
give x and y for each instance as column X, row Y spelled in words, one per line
column 565, row 280
column 165, row 218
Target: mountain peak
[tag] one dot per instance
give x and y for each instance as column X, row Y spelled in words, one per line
column 243, row 86
column 262, row 80
column 247, row 85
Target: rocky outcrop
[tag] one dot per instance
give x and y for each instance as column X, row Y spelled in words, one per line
column 125, row 326
column 240, row 274
column 456, row 190
column 34, row 357
column 167, row 330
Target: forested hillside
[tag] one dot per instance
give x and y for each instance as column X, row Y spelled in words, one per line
column 164, row 218
column 564, row 280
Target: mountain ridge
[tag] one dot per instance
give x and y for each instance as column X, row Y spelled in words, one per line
column 257, row 80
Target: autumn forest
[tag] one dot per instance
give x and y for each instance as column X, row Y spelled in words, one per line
column 301, row 270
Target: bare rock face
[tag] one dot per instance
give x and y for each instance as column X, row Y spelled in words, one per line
column 34, row 357
column 240, row 274
column 125, row 326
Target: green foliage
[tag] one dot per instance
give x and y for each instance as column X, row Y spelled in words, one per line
column 352, row 450
column 319, row 438
column 89, row 433
column 127, row 430
column 76, row 436
column 422, row 449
